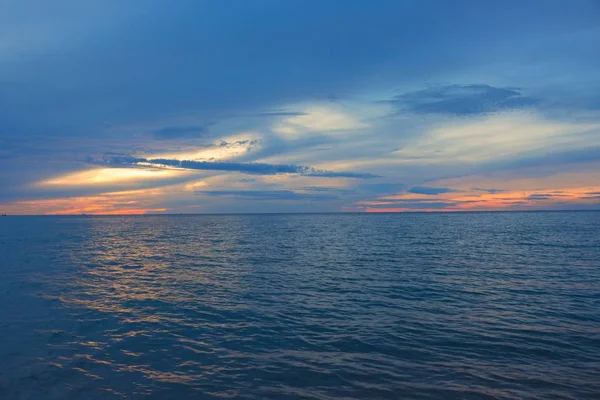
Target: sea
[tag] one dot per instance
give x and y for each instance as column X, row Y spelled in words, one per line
column 498, row 305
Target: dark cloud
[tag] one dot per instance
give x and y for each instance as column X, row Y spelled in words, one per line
column 565, row 205
column 430, row 191
column 248, row 168
column 462, row 100
column 326, row 189
column 490, row 191
column 249, row 143
column 179, row 132
column 539, row 196
column 418, row 205
column 545, row 196
column 285, row 195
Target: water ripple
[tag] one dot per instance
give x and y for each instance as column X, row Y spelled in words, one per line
column 424, row 306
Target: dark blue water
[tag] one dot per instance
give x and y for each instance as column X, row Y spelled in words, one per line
column 416, row 306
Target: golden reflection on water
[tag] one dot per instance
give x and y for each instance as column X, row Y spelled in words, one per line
column 132, row 272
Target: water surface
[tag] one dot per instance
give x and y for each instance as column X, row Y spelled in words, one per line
column 334, row 306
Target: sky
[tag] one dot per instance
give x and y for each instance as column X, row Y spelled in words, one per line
column 243, row 106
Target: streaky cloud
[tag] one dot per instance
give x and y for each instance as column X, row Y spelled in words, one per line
column 248, row 168
column 462, row 100
column 326, row 189
column 545, row 196
column 540, row 196
column 430, row 191
column 490, row 191
column 270, row 195
column 417, row 205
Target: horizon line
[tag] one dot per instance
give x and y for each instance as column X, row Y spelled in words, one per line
column 293, row 213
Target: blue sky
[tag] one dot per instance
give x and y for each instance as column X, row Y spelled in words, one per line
column 296, row 106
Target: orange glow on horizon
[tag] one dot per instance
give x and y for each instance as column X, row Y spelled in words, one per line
column 399, row 210
column 93, row 211
column 129, row 202
column 474, row 200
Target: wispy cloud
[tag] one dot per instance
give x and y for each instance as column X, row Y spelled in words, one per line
column 545, row 196
column 474, row 200
column 497, row 141
column 319, row 119
column 416, row 205
column 271, row 195
column 490, row 191
column 430, row 191
column 462, row 100
column 248, row 168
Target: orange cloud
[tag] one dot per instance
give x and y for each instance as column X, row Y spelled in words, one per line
column 100, row 211
column 478, row 200
column 130, row 202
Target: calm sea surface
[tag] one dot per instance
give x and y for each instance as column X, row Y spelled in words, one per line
column 338, row 306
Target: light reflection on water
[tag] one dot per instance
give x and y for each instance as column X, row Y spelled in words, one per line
column 315, row 306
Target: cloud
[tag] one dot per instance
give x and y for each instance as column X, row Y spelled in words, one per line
column 286, row 195
column 546, row 196
column 503, row 140
column 462, row 100
column 248, row 168
column 539, row 196
column 381, row 188
column 104, row 176
column 275, row 113
column 490, row 191
column 416, row 205
column 179, row 132
column 220, row 150
column 326, row 189
column 430, row 191
column 319, row 119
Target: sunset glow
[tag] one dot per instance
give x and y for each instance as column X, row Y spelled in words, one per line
column 318, row 117
column 102, row 176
